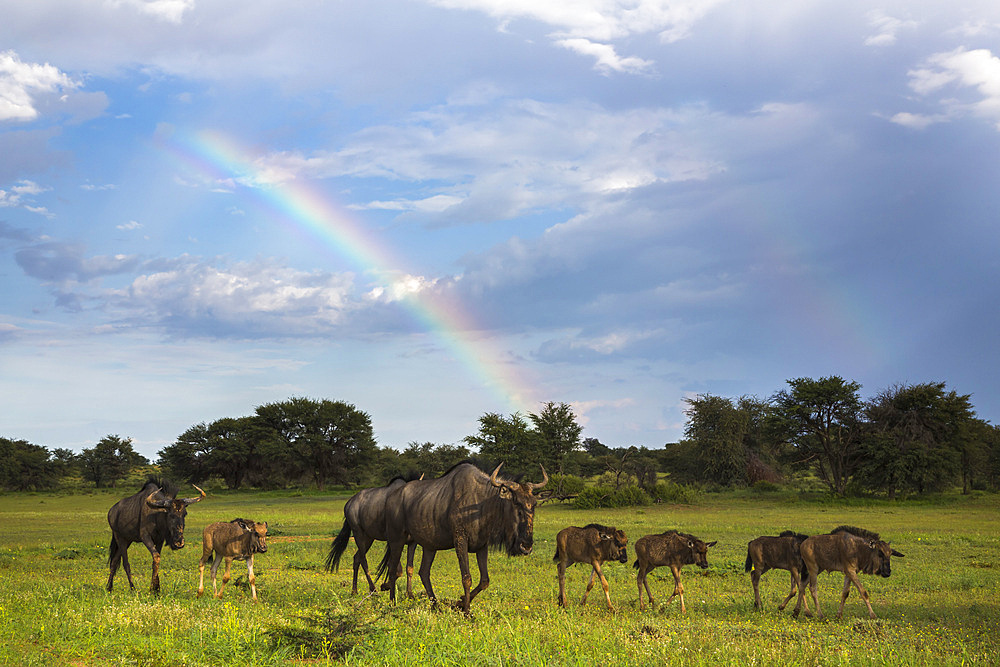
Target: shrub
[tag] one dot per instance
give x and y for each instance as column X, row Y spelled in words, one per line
column 671, row 492
column 605, row 496
column 571, row 484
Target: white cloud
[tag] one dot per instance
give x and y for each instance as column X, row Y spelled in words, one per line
column 171, row 11
column 19, row 196
column 128, row 226
column 22, row 84
column 607, row 59
column 956, row 70
column 886, row 28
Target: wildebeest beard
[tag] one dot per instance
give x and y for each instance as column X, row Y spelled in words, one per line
column 510, row 532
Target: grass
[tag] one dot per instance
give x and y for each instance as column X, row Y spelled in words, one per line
column 941, row 605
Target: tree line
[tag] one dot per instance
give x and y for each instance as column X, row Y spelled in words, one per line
column 907, row 439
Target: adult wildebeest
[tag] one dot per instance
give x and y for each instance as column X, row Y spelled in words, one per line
column 674, row 550
column 364, row 517
column 775, row 553
column 152, row 516
column 849, row 550
column 238, row 539
column 466, row 510
column 591, row 544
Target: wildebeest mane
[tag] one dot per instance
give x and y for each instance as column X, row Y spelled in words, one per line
column 687, row 536
column 858, row 532
column 408, row 477
column 167, row 487
column 791, row 533
column 599, row 527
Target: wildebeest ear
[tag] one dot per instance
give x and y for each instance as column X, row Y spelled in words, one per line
column 712, row 544
column 897, row 554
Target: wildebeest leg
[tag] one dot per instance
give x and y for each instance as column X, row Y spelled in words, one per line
column 604, row 584
column 215, row 568
column 678, row 588
column 393, row 554
column 411, row 549
column 363, row 543
column 791, row 593
column 482, row 560
column 561, row 575
column 849, row 578
column 755, row 580
column 813, row 587
column 154, row 551
column 225, row 577
column 462, row 551
column 253, row 579
column 642, row 581
column 426, row 560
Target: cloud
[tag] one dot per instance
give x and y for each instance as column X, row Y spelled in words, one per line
column 607, row 60
column 20, row 196
column 170, row 11
column 24, row 85
column 129, row 226
column 958, row 71
column 59, row 262
column 885, row 28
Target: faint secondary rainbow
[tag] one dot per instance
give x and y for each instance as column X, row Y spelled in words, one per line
column 220, row 158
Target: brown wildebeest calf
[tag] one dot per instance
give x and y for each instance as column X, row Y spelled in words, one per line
column 592, row 544
column 238, row 539
column 849, row 550
column 674, row 550
column 776, row 553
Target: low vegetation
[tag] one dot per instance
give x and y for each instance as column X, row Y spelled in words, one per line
column 941, row 605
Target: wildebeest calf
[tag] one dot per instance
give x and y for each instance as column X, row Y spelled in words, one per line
column 674, row 550
column 776, row 553
column 849, row 550
column 238, row 539
column 591, row 544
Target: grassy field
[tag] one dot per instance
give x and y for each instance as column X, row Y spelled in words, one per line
column 941, row 605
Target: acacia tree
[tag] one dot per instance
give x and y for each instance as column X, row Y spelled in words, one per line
column 108, row 461
column 558, row 433
column 26, row 466
column 824, row 419
column 507, row 440
column 717, row 429
column 328, row 440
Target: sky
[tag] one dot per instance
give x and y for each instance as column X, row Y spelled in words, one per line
column 437, row 209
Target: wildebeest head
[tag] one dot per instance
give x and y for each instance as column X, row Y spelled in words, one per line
column 176, row 509
column 519, row 512
column 699, row 551
column 614, row 544
column 258, row 538
column 881, row 554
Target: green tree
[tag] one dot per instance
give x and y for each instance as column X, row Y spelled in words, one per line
column 187, row 458
column 108, row 461
column 326, row 440
column 507, row 440
column 718, row 429
column 558, row 433
column 824, row 419
column 24, row 466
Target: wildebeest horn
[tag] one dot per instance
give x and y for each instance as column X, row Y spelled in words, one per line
column 157, row 504
column 421, row 476
column 188, row 501
column 493, row 477
column 545, row 479
column 896, row 553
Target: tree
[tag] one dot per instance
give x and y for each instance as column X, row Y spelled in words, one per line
column 24, row 466
column 108, row 461
column 824, row 418
column 507, row 440
column 558, row 433
column 718, row 430
column 327, row 440
column 187, row 458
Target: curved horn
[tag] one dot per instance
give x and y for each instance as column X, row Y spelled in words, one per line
column 493, row 477
column 188, row 501
column 421, row 477
column 156, row 504
column 545, row 479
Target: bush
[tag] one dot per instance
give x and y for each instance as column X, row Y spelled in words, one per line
column 671, row 492
column 571, row 484
column 765, row 487
column 605, row 496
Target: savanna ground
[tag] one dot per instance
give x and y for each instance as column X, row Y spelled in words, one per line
column 941, row 605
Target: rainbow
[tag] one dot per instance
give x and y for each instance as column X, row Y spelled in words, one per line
column 221, row 159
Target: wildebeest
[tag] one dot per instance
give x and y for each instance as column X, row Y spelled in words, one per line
column 591, row 544
column 674, row 550
column 152, row 516
column 849, row 550
column 364, row 517
column 466, row 510
column 238, row 539
column 775, row 553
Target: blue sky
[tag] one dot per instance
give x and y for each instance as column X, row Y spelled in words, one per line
column 435, row 209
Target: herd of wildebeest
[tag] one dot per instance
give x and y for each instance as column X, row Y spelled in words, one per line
column 472, row 512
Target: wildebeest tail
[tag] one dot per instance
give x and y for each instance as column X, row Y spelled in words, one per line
column 337, row 548
column 749, row 564
column 112, row 550
column 383, row 565
column 636, row 564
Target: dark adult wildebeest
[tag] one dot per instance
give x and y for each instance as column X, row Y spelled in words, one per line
column 591, row 544
column 152, row 516
column 775, row 553
column 465, row 510
column 674, row 550
column 849, row 550
column 238, row 539
column 364, row 517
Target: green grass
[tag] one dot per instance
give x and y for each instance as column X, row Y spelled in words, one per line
column 941, row 605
